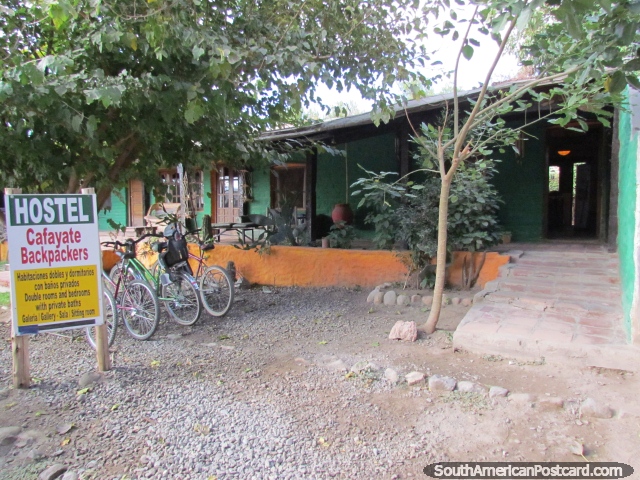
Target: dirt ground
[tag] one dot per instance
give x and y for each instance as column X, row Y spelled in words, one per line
column 436, row 426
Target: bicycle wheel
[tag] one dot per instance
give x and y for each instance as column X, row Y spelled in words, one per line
column 181, row 299
column 216, row 291
column 140, row 309
column 110, row 319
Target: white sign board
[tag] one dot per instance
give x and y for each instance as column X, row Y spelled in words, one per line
column 55, row 258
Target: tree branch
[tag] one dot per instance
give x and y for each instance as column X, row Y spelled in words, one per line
column 455, row 74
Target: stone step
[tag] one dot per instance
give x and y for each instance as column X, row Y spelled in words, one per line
column 556, row 288
column 605, row 277
column 564, row 262
column 547, row 303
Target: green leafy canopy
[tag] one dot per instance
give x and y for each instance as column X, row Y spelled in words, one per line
column 93, row 93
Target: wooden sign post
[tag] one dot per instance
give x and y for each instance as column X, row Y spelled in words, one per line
column 19, row 343
column 56, row 266
column 102, row 336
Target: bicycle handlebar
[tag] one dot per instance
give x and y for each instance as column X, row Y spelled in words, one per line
column 130, row 241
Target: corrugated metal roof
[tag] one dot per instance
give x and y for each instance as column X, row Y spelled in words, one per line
column 414, row 106
column 423, row 104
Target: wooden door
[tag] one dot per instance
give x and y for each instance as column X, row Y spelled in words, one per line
column 136, row 203
column 230, row 195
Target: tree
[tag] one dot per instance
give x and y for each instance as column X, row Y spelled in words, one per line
column 584, row 57
column 94, row 93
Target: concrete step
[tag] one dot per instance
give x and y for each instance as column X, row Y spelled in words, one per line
column 565, row 262
column 556, row 289
column 548, row 303
column 605, row 277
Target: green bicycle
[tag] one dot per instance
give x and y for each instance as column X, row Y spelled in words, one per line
column 172, row 281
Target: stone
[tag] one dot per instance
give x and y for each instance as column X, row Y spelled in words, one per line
column 550, row 403
column 391, row 375
column 522, row 398
column 27, row 438
column 414, row 377
column 36, row 454
column 427, row 301
column 372, row 295
column 498, row 392
column 360, row 367
column 591, row 408
column 403, row 300
column 54, row 471
column 378, row 298
column 70, row 475
column 8, row 435
column 456, row 301
column 390, row 298
column 466, row 302
column 405, row 331
column 441, row 383
column 372, row 367
column 416, row 299
column 465, row 386
column 383, row 286
column 337, row 366
column 90, row 378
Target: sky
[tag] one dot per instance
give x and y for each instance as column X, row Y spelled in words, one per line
column 471, row 73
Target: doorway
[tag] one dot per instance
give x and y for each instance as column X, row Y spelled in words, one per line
column 575, row 182
column 229, row 203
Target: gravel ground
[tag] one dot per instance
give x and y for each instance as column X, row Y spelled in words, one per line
column 194, row 402
column 261, row 394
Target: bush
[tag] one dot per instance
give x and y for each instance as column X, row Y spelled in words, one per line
column 409, row 212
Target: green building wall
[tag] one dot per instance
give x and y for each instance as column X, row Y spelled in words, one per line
column 261, row 191
column 521, row 183
column 627, row 194
column 336, row 173
column 117, row 213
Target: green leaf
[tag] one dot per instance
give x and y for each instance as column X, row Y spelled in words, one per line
column 197, row 52
column 633, row 80
column 193, row 112
column 467, row 52
column 615, row 83
column 76, row 123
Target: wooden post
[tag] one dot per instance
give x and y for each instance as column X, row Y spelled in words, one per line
column 19, row 343
column 102, row 335
column 310, row 189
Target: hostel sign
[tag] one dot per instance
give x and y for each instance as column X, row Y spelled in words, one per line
column 55, row 258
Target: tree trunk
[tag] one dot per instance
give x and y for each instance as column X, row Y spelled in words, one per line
column 441, row 260
column 128, row 154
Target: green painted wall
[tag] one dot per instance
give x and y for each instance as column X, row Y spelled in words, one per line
column 118, row 212
column 626, row 213
column 335, row 172
column 261, row 190
column 521, row 183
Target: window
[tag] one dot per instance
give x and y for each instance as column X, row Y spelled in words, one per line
column 288, row 186
column 195, row 179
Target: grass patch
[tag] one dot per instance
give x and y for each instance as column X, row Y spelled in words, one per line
column 5, row 299
column 468, row 401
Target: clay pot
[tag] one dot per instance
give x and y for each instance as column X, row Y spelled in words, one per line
column 342, row 213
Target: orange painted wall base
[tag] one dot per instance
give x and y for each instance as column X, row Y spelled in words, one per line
column 313, row 267
column 328, row 267
column 490, row 269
